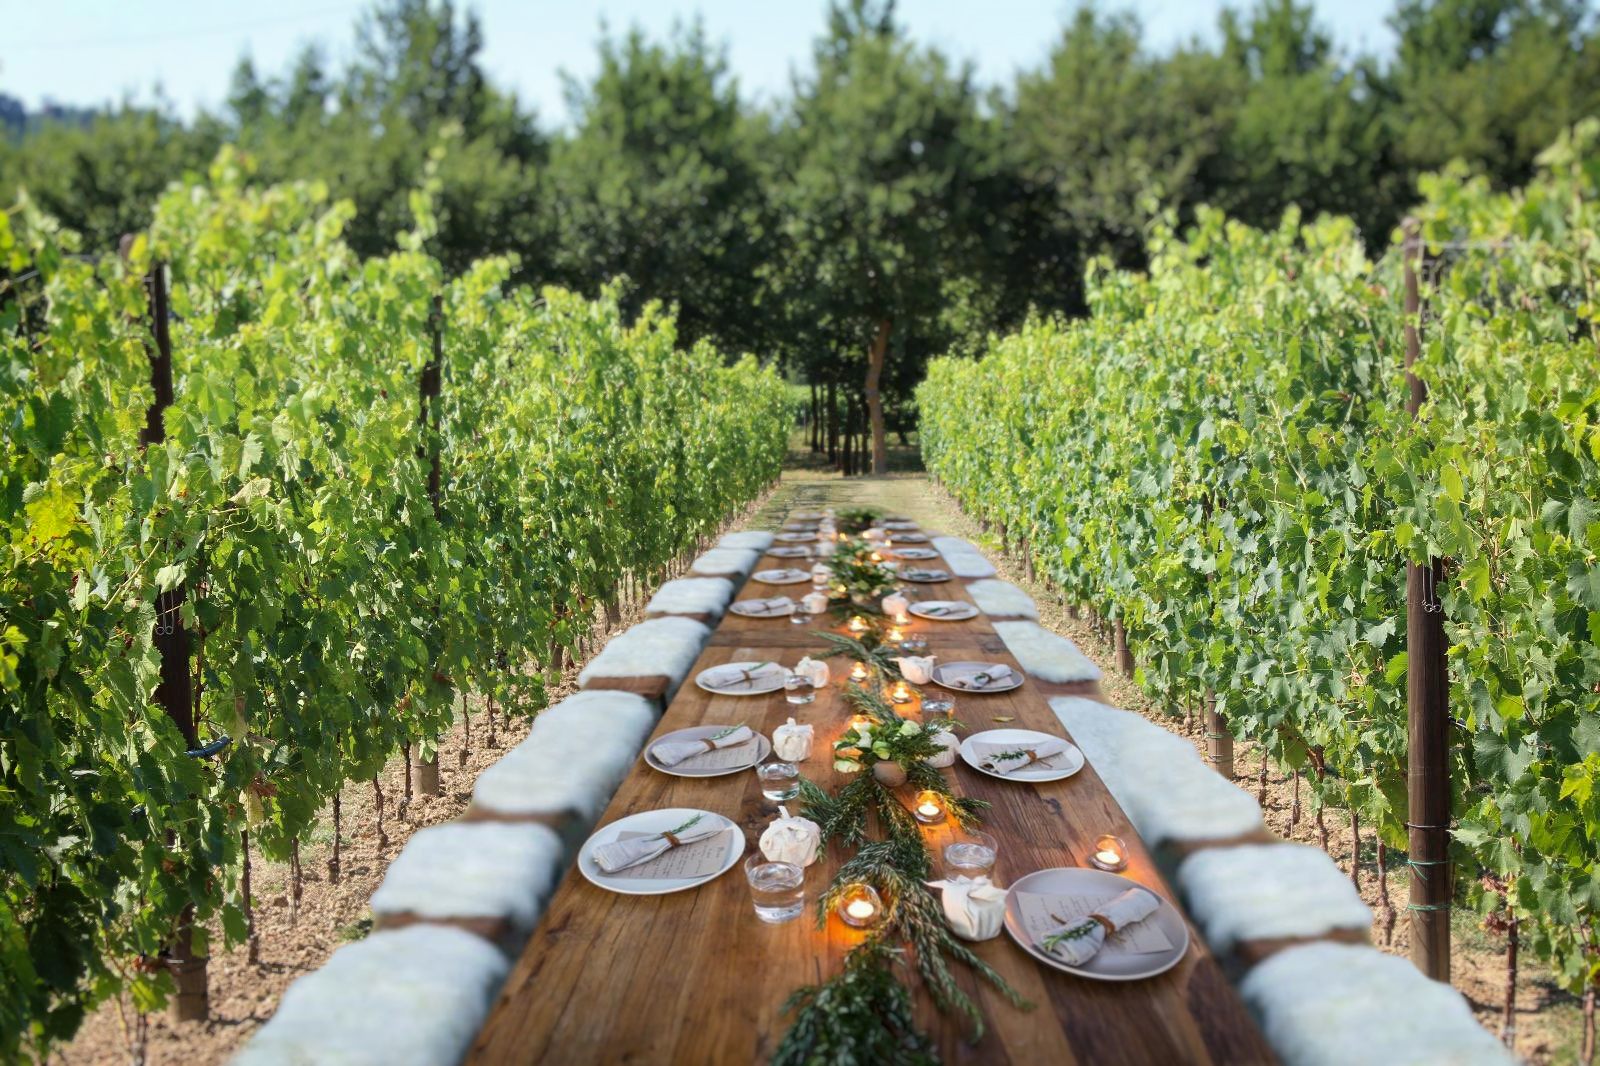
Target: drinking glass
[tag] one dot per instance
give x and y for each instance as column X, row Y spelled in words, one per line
column 779, row 780
column 937, row 706
column 798, row 687
column 777, row 889
column 970, row 854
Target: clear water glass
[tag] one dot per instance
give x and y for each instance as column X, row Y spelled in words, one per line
column 971, row 854
column 797, row 688
column 777, row 889
column 937, row 707
column 779, row 780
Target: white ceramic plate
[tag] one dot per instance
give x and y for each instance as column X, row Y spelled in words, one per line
column 796, row 538
column 944, row 671
column 925, row 577
column 914, row 553
column 1071, row 760
column 900, row 526
column 789, row 575
column 769, row 678
column 759, row 749
column 807, row 516
column 789, row 551
column 763, row 608
column 1078, row 881
column 908, row 538
column 944, row 610
column 655, row 822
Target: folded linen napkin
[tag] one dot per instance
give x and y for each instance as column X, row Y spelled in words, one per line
column 1009, row 762
column 734, row 677
column 673, row 752
column 768, row 606
column 621, row 854
column 994, row 676
column 1078, row 941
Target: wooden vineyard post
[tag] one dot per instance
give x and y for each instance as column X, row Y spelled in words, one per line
column 1124, row 655
column 430, row 387
column 1219, row 742
column 1427, row 711
column 175, row 691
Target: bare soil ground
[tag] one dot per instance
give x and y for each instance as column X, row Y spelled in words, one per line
column 295, row 941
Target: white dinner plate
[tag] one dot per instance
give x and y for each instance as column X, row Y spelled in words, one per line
column 945, row 671
column 1071, row 760
column 789, row 575
column 893, row 527
column 655, row 822
column 1083, row 881
column 763, row 608
column 807, row 516
column 944, row 610
column 925, row 577
column 908, row 538
column 759, row 748
column 797, row 538
column 914, row 553
column 769, row 678
column 789, row 551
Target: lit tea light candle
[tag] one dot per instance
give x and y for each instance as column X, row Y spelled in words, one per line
column 901, row 693
column 860, row 906
column 858, row 673
column 1110, row 853
column 901, row 619
column 877, row 558
column 929, row 809
column 858, row 625
column 896, row 635
column 860, row 723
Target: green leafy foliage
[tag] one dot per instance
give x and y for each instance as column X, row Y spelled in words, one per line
column 1221, row 458
column 337, row 611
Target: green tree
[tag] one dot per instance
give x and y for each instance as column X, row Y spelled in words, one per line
column 878, row 204
column 658, row 184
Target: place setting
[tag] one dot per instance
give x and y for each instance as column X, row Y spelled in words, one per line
column 708, row 751
column 1095, row 924
column 773, row 607
column 797, row 537
column 786, row 576
column 789, row 551
column 977, row 677
column 914, row 553
column 743, row 678
column 656, row 852
column 908, row 538
column 1021, row 755
column 898, row 526
column 944, row 610
column 925, row 576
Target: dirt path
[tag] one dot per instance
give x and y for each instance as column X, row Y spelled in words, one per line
column 294, row 942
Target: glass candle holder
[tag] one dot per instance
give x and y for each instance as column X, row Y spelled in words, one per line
column 929, row 808
column 914, row 644
column 901, row 693
column 901, row 619
column 858, row 625
column 860, row 906
column 858, row 673
column 896, row 635
column 1110, row 853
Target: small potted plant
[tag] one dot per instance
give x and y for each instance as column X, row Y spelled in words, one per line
column 856, row 519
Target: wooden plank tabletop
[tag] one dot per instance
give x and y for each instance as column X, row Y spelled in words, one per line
column 694, row 977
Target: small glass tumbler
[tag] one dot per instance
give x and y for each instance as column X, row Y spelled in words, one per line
column 971, row 854
column 778, row 889
column 937, row 707
column 779, row 780
column 797, row 688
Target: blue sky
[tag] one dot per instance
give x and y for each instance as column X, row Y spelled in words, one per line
column 91, row 51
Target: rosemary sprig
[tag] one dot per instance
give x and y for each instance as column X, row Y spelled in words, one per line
column 728, row 732
column 1076, row 932
column 690, row 824
column 861, row 1017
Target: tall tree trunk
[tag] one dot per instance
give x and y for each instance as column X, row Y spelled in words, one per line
column 875, row 358
column 848, row 459
column 816, row 421
column 833, row 423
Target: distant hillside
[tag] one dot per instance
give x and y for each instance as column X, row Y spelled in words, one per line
column 18, row 121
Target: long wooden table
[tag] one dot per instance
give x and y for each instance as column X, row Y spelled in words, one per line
column 694, row 977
